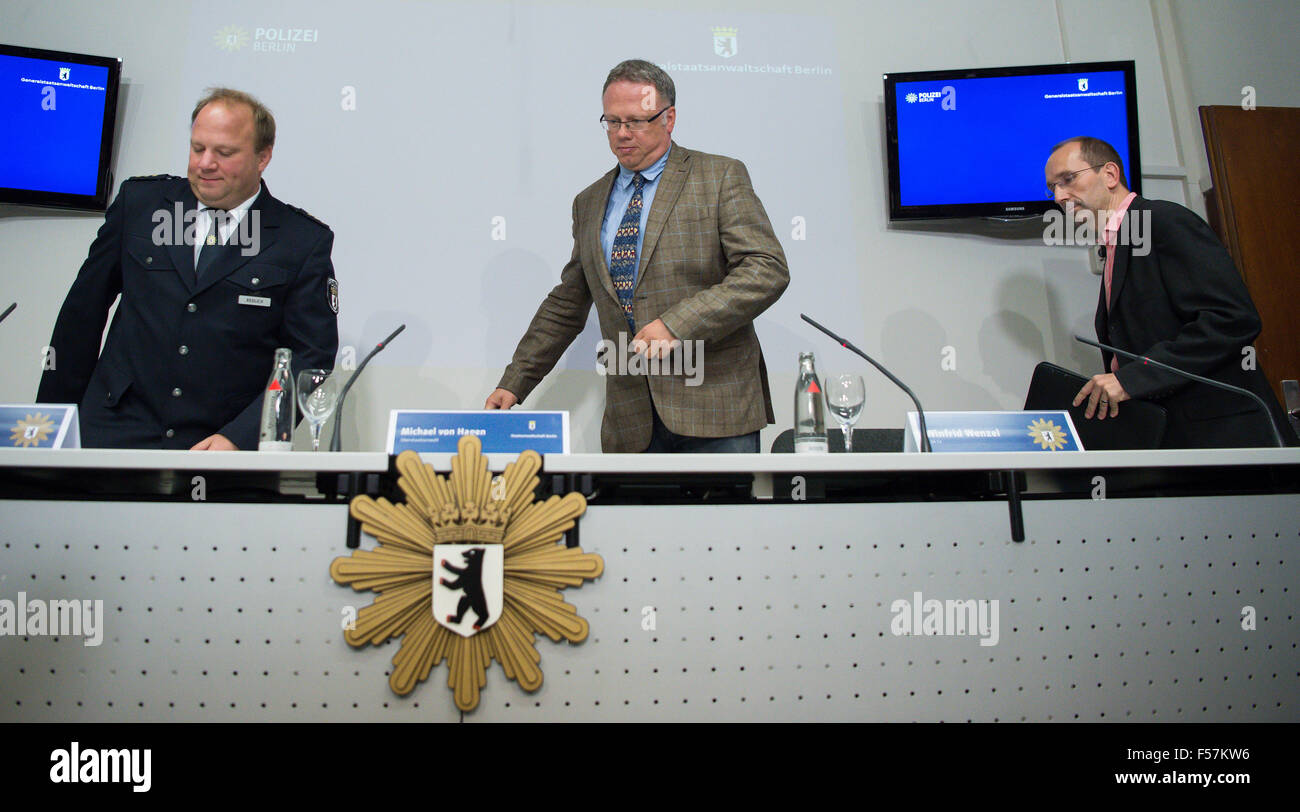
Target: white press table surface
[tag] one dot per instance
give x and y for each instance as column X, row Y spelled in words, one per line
column 377, row 461
column 871, row 462
column 108, row 458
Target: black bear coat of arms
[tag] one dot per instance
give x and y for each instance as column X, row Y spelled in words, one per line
column 469, row 579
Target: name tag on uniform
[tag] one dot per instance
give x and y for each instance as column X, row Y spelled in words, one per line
column 257, row 301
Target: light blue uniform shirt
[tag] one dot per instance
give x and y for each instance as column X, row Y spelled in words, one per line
column 617, row 205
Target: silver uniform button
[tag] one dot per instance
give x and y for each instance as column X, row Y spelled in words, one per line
column 191, row 307
column 176, row 392
column 255, row 280
column 148, row 260
column 171, row 433
column 184, row 350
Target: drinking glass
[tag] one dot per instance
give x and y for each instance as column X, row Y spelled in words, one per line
column 318, row 395
column 845, row 395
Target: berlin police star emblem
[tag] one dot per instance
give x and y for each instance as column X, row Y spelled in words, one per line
column 468, row 570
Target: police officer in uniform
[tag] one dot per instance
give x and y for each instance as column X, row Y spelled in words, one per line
column 213, row 273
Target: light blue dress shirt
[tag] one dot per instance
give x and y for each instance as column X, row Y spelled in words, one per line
column 617, row 205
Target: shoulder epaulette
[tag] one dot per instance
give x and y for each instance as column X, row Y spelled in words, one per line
column 306, row 214
column 156, row 177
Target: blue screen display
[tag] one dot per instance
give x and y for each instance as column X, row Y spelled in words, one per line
column 986, row 140
column 54, row 118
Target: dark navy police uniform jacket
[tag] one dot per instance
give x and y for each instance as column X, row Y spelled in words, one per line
column 186, row 358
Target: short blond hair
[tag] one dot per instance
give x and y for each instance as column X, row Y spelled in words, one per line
column 263, row 121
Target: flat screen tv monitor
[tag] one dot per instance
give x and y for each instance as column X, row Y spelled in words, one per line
column 59, row 111
column 972, row 143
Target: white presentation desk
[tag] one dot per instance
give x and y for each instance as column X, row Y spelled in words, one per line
column 722, row 598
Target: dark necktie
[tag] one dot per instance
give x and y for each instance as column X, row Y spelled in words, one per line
column 208, row 252
column 622, row 259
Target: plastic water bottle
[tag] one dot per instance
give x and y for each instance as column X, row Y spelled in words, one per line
column 809, row 418
column 278, row 405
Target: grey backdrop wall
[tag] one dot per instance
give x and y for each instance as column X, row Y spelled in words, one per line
column 443, row 142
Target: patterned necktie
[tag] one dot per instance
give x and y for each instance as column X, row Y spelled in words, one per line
column 622, row 259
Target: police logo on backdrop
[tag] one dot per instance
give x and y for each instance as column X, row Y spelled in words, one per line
column 724, row 42
column 271, row 39
column 64, row 73
column 230, row 38
column 1083, row 84
column 498, row 563
column 467, row 582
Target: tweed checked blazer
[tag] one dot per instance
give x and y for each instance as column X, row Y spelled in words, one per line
column 709, row 265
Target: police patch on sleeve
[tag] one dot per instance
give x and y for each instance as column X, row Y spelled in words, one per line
column 334, row 296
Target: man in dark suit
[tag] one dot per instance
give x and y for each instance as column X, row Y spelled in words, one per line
column 1170, row 292
column 214, row 274
column 672, row 246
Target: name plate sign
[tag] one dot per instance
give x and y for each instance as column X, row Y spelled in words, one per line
column 994, row 431
column 40, row 425
column 500, row 432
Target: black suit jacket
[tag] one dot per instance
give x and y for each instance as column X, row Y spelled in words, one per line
column 1178, row 299
column 187, row 357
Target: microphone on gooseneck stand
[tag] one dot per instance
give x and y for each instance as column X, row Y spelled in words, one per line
column 920, row 413
column 1133, row 356
column 8, row 310
column 336, row 440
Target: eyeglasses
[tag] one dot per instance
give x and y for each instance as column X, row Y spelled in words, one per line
column 635, row 125
column 1068, row 179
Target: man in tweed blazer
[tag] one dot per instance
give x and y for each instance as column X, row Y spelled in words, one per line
column 706, row 264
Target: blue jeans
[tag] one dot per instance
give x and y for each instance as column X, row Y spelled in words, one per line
column 663, row 441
